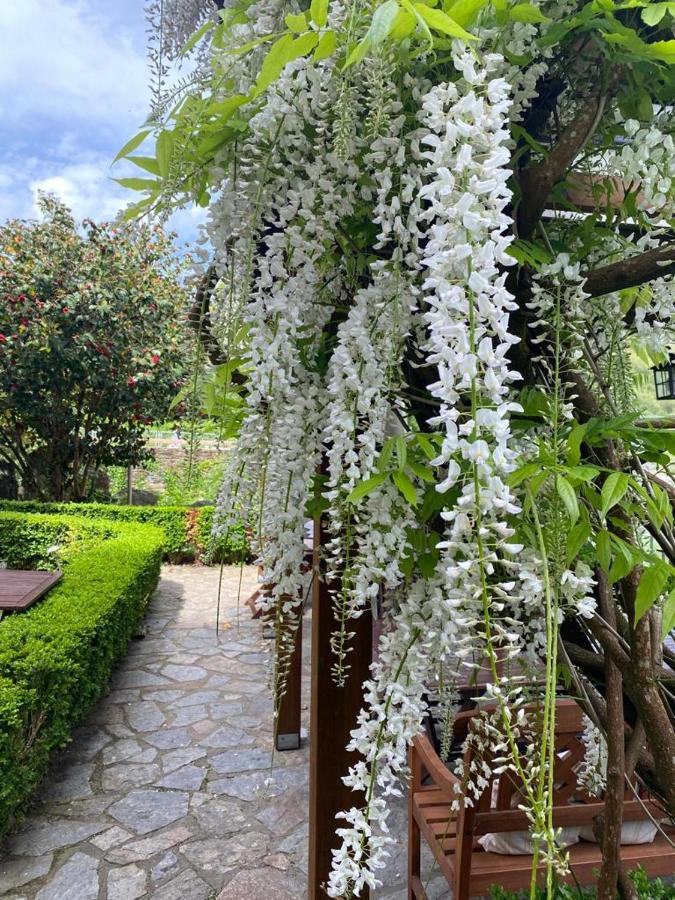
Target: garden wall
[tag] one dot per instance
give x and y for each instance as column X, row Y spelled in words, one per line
column 56, row 658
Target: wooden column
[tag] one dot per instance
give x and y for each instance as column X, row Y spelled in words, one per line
column 333, row 715
column 287, row 736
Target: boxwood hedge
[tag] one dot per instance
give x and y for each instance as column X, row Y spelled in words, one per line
column 187, row 530
column 56, row 658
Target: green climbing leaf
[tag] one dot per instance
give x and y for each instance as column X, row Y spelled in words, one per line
column 406, row 487
column 613, row 489
column 568, row 496
column 652, row 582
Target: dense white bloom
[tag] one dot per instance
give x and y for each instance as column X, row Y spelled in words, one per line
column 592, row 773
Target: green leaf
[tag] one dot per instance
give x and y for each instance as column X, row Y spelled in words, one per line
column 401, row 451
column 223, row 109
column 623, row 562
column 427, row 563
column 423, row 472
column 283, row 51
column 326, row 46
column 404, row 25
column 645, row 107
column 464, row 11
column 568, row 497
column 383, row 20
column 603, row 549
column 149, row 163
column 527, row 12
column 358, row 53
column 194, row 39
column 527, row 470
column 406, row 487
column 138, row 184
column 574, row 442
column 363, row 488
column 668, row 623
column 653, row 13
column 426, row 446
column 576, row 539
column 297, row 22
column 318, row 11
column 663, row 50
column 131, row 145
column 652, row 582
column 164, row 151
column 440, row 21
column 613, row 489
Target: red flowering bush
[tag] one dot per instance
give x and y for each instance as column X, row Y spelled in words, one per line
column 90, row 346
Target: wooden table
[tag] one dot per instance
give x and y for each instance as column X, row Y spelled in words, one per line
column 20, row 588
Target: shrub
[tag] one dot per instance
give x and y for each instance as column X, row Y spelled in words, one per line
column 90, row 346
column 56, row 658
column 187, row 530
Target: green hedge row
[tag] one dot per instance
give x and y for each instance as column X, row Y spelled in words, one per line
column 56, row 658
column 187, row 530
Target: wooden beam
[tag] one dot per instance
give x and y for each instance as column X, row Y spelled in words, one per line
column 333, row 715
column 287, row 730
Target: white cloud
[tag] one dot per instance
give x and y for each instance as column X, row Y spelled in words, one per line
column 85, row 188
column 58, row 58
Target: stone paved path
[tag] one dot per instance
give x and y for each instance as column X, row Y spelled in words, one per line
column 163, row 791
column 168, row 790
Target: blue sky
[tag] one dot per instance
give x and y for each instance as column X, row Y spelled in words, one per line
column 73, row 90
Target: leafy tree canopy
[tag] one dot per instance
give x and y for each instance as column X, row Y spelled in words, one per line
column 90, row 350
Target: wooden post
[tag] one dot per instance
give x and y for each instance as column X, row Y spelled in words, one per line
column 333, row 715
column 287, row 736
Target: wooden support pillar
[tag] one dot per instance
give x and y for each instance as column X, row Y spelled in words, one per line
column 333, row 715
column 287, row 736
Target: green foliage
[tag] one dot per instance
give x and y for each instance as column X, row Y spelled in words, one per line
column 186, row 484
column 647, row 889
column 56, row 658
column 90, row 349
column 187, row 532
column 22, row 546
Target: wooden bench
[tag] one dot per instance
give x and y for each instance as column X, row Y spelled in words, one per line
column 452, row 836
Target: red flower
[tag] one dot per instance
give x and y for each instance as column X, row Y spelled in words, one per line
column 65, row 309
column 2, row 339
column 131, row 381
column 155, row 358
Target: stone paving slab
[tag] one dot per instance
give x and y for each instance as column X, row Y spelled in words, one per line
column 170, row 789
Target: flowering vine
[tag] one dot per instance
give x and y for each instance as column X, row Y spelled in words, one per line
column 439, row 336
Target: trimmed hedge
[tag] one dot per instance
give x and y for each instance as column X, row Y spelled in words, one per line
column 187, row 530
column 56, row 658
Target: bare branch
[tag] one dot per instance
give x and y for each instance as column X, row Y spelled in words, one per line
column 631, row 272
column 537, row 182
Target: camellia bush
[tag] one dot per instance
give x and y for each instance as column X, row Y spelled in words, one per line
column 89, row 347
column 448, row 228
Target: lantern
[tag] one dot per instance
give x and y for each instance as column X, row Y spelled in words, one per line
column 664, row 379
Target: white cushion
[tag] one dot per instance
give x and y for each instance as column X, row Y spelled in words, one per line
column 631, row 833
column 519, row 843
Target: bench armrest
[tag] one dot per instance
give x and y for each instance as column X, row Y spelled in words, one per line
column 441, row 775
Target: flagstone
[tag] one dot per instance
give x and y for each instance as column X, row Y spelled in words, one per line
column 146, row 810
column 15, row 873
column 77, row 879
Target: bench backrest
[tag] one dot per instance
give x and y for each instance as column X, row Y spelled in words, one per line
column 496, row 808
